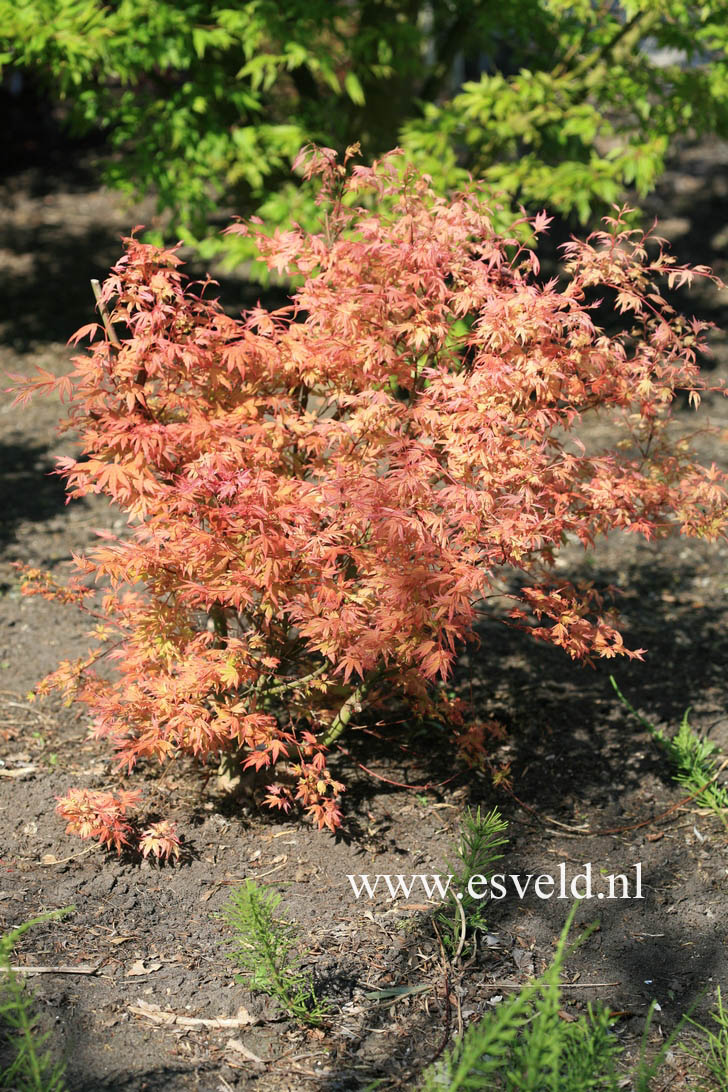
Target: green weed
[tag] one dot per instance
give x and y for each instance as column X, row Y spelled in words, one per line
column 713, row 1053
column 525, row 1045
column 481, row 837
column 691, row 758
column 265, row 950
column 31, row 1068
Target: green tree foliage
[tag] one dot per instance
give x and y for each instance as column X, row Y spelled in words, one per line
column 206, row 102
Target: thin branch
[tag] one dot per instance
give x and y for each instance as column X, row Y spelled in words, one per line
column 83, row 968
column 560, row 985
column 576, row 832
column 74, row 856
column 297, row 682
column 446, row 970
column 463, row 930
column 404, row 784
column 108, row 324
column 655, row 818
column 163, row 1016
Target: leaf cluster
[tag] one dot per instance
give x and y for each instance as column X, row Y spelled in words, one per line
column 323, row 499
column 525, row 1044
column 691, row 756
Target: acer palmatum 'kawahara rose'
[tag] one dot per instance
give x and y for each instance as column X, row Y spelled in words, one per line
column 320, row 496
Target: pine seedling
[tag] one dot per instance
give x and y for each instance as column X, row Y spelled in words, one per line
column 524, row 1045
column 481, row 837
column 31, row 1067
column 691, row 758
column 265, row 949
column 712, row 1054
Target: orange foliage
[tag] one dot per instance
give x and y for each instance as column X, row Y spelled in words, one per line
column 320, row 497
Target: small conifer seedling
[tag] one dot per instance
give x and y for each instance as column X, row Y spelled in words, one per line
column 265, row 950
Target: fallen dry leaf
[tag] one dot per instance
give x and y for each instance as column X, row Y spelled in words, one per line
column 138, row 968
column 523, row 960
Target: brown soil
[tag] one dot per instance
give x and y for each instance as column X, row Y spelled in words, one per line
column 577, row 758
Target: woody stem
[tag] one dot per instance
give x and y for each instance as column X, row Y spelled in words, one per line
column 352, row 704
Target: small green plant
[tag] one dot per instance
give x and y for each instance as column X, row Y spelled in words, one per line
column 481, row 837
column 265, row 949
column 525, row 1045
column 712, row 1054
column 31, row 1067
column 691, row 757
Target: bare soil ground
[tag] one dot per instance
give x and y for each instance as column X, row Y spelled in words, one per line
column 151, row 934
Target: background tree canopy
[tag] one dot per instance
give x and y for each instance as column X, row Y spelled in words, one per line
column 556, row 104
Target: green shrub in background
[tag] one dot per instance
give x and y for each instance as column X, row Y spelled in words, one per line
column 207, row 102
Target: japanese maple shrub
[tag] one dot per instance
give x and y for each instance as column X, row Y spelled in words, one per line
column 321, row 497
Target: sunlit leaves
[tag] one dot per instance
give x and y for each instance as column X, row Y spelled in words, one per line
column 321, row 498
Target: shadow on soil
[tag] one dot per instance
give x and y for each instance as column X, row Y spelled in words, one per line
column 29, row 490
column 46, row 294
column 45, row 291
column 159, row 1079
column 570, row 740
